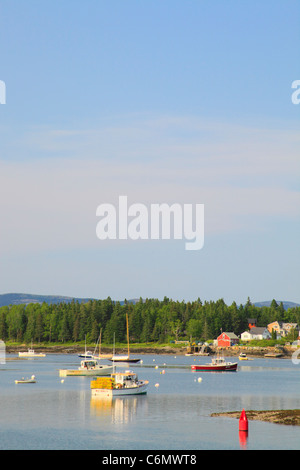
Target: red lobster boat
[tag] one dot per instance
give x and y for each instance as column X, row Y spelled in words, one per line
column 217, row 364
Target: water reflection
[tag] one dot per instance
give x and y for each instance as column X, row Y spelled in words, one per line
column 176, row 415
column 122, row 410
column 243, row 438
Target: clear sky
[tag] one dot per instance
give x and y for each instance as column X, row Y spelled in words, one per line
column 173, row 101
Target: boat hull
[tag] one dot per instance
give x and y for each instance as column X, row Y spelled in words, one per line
column 215, row 367
column 25, row 354
column 105, row 371
column 125, row 359
column 120, row 392
column 30, row 381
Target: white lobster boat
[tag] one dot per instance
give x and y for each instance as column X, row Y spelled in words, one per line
column 31, row 353
column 88, row 367
column 119, row 384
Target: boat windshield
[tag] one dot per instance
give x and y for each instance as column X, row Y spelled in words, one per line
column 218, row 360
column 88, row 363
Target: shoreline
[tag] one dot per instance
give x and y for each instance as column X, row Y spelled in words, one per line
column 252, row 352
column 286, row 417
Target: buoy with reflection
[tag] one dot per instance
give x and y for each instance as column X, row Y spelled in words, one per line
column 243, row 429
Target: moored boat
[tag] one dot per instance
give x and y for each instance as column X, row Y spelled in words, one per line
column 86, row 355
column 243, row 357
column 26, row 381
column 89, row 367
column 30, row 353
column 217, row 364
column 119, row 384
column 125, row 358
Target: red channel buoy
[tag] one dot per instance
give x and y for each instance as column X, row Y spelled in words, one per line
column 243, row 423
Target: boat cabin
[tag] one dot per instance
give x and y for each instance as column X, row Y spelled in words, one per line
column 88, row 364
column 219, row 360
column 125, row 379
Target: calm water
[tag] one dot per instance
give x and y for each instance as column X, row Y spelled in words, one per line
column 176, row 415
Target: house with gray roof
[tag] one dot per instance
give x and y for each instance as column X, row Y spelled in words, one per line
column 257, row 332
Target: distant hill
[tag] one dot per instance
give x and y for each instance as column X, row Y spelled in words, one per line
column 15, row 299
column 285, row 303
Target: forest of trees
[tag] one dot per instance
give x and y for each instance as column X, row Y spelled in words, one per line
column 150, row 320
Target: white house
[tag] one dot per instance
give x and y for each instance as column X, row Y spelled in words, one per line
column 256, row 333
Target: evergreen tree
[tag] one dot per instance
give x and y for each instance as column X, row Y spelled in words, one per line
column 3, row 326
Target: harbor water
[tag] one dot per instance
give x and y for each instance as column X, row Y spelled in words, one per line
column 56, row 413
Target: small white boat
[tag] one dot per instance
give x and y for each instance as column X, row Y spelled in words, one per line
column 86, row 355
column 26, row 381
column 88, row 367
column 30, row 353
column 119, row 384
column 243, row 357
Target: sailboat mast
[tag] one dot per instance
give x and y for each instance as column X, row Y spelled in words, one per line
column 100, row 342
column 127, row 334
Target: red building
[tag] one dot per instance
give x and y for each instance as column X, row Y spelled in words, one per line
column 227, row 339
column 251, row 323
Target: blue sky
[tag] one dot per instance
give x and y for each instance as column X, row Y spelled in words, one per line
column 163, row 101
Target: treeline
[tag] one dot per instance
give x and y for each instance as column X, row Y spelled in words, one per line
column 150, row 320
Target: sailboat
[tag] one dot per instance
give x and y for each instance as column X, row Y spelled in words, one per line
column 125, row 358
column 86, row 354
column 100, row 355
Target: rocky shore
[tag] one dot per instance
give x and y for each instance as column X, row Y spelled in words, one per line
column 76, row 349
column 282, row 352
column 290, row 417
